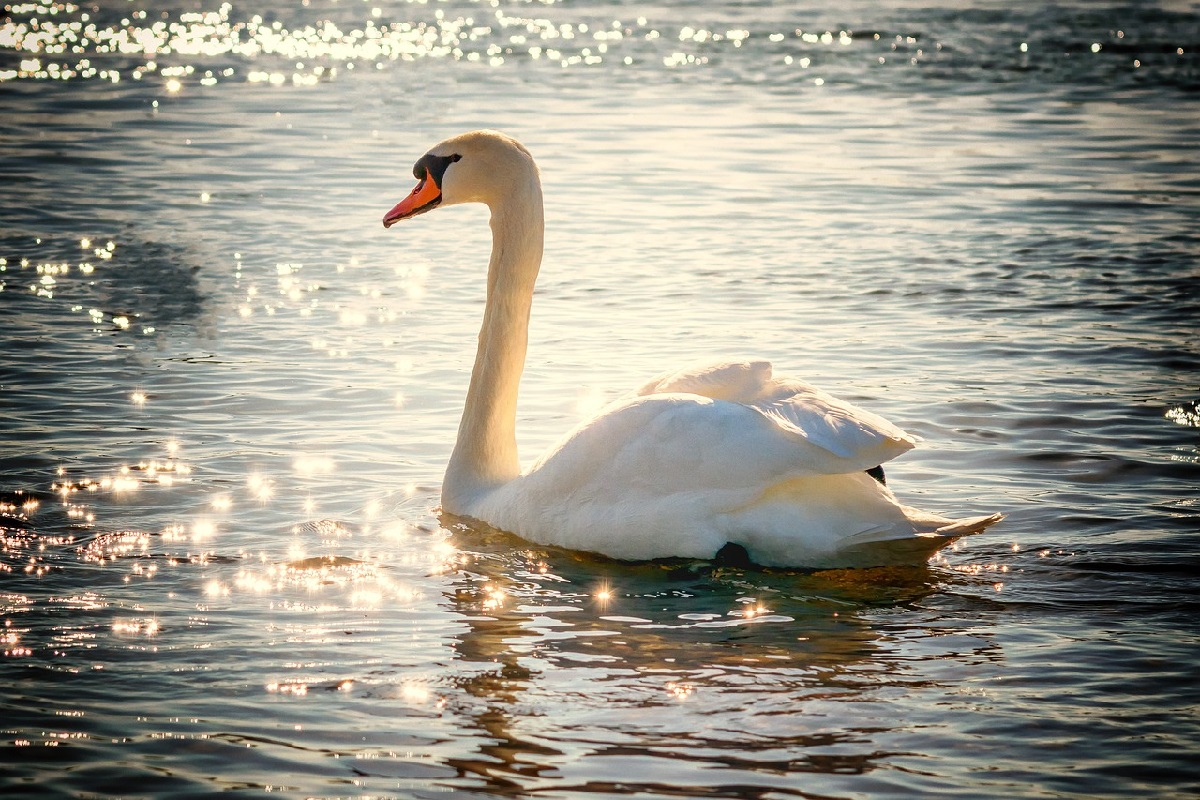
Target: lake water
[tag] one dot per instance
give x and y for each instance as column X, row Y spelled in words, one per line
column 227, row 396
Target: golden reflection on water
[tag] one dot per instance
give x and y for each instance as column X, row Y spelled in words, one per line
column 57, row 44
column 62, row 41
column 136, row 627
column 682, row 638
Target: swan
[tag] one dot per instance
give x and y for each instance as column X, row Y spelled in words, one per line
column 721, row 459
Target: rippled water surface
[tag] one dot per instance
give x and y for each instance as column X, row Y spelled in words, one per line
column 227, row 396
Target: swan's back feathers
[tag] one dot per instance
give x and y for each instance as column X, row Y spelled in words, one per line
column 737, row 381
column 862, row 439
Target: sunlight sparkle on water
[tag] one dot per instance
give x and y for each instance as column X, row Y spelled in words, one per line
column 261, row 488
column 203, row 530
column 256, row 582
column 136, row 627
column 214, row 588
column 751, row 608
column 62, row 46
column 493, row 597
column 1187, row 414
column 295, row 688
column 415, row 693
column 680, row 691
column 56, row 277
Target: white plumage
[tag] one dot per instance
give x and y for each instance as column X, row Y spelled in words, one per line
column 690, row 462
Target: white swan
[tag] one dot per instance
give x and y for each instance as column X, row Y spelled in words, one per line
column 691, row 464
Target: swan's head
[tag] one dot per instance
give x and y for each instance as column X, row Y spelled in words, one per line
column 477, row 167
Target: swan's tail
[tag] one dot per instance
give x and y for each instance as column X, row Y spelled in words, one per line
column 889, row 547
column 843, row 520
column 966, row 527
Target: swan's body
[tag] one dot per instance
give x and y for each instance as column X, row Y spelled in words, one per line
column 685, row 465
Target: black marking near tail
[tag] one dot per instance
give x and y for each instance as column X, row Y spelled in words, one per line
column 877, row 474
column 732, row 555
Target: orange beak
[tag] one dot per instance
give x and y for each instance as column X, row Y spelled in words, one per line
column 425, row 197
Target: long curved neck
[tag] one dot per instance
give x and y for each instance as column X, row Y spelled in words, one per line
column 485, row 455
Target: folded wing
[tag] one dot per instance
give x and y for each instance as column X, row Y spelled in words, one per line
column 859, row 439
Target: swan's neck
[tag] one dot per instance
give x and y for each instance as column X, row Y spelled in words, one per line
column 485, row 455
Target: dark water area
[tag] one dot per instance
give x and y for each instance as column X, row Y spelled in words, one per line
column 227, row 396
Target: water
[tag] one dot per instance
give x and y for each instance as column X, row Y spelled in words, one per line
column 227, row 396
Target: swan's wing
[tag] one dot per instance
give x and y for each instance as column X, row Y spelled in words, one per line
column 687, row 443
column 843, row 429
column 798, row 408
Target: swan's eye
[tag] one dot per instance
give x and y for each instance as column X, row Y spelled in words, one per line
column 432, row 166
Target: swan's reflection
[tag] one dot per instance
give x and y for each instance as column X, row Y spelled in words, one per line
column 680, row 660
